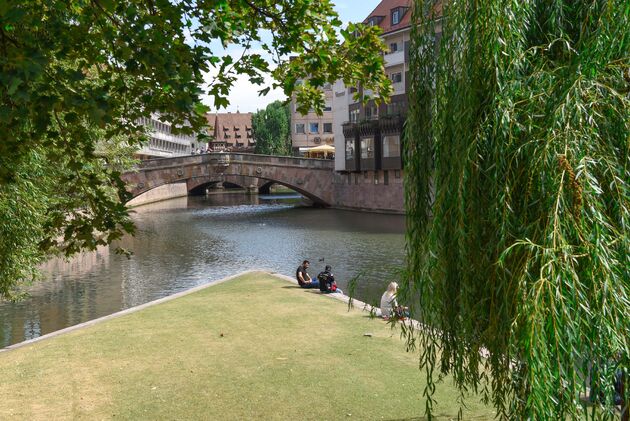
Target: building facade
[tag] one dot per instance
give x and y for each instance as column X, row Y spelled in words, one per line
column 310, row 130
column 162, row 142
column 231, row 132
column 370, row 135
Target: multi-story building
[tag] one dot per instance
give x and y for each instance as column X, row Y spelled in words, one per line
column 370, row 135
column 310, row 130
column 231, row 132
column 162, row 142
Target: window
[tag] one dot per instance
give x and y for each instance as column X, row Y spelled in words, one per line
column 371, row 112
column 396, row 17
column 313, row 127
column 386, row 178
column 391, row 146
column 393, row 108
column 349, row 149
column 327, row 127
column 367, row 148
column 299, row 128
column 328, row 106
column 354, row 116
column 396, row 77
column 393, row 47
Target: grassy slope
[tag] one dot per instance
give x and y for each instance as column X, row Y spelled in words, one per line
column 254, row 347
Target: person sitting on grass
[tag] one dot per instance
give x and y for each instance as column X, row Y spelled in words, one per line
column 327, row 282
column 303, row 278
column 389, row 304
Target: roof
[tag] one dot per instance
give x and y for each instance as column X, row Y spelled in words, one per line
column 384, row 10
column 228, row 125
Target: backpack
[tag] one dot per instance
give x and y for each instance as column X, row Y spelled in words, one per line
column 324, row 281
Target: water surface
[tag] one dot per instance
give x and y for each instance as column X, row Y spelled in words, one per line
column 191, row 241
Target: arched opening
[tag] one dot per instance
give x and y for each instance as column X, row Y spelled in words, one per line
column 216, row 186
column 199, row 190
column 276, row 188
column 232, row 186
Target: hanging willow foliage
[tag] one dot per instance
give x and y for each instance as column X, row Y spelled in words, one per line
column 517, row 194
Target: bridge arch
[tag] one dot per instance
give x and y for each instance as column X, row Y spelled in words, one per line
column 312, row 178
column 262, row 185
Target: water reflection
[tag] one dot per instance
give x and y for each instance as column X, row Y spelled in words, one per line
column 191, row 241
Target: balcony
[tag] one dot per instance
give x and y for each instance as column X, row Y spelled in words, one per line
column 394, row 59
column 349, row 130
column 391, row 124
column 368, row 127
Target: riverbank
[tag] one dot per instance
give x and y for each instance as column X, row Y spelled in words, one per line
column 254, row 347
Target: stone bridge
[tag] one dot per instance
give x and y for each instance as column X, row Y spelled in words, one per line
column 313, row 178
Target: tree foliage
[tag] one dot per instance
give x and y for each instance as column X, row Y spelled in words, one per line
column 518, row 201
column 272, row 129
column 78, row 72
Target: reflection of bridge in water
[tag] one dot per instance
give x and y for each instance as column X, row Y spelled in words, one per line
column 313, row 178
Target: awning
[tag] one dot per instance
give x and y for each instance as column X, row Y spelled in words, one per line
column 322, row 148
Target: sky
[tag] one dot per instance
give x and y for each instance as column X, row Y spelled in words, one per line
column 244, row 96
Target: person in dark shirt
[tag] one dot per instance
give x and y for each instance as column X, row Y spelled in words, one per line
column 327, row 282
column 303, row 278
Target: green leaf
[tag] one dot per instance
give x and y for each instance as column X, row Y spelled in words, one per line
column 13, row 85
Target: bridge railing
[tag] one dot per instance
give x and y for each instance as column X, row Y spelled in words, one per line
column 287, row 161
column 227, row 158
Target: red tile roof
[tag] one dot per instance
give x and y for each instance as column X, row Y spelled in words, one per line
column 231, row 128
column 384, row 10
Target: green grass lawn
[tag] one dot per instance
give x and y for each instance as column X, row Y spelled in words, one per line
column 255, row 347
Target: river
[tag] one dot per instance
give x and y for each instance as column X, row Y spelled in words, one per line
column 186, row 242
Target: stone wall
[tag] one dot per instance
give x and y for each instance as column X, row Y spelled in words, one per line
column 164, row 192
column 374, row 191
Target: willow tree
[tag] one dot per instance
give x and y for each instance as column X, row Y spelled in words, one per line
column 517, row 195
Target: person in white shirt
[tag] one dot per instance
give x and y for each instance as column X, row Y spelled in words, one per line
column 388, row 301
